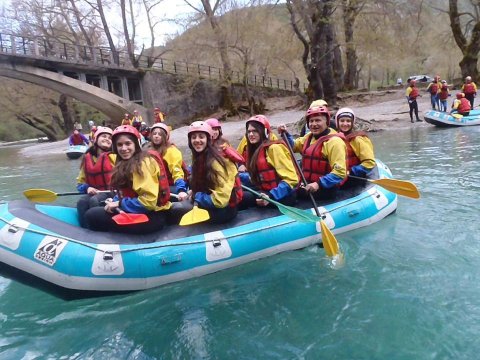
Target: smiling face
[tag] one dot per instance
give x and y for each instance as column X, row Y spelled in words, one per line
column 125, row 146
column 253, row 135
column 345, row 124
column 104, row 141
column 156, row 136
column 216, row 133
column 317, row 123
column 199, row 141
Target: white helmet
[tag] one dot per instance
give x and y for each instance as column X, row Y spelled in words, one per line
column 344, row 112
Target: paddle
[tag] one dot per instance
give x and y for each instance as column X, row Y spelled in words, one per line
column 123, row 218
column 294, row 213
column 44, row 195
column 194, row 216
column 400, row 187
column 329, row 241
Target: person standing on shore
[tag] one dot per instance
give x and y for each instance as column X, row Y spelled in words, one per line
column 443, row 96
column 470, row 90
column 434, row 88
column 412, row 94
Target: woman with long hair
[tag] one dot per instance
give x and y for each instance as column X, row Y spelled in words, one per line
column 177, row 172
column 141, row 185
column 95, row 172
column 269, row 164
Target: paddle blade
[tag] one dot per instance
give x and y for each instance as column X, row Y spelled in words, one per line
column 330, row 243
column 129, row 219
column 297, row 215
column 400, row 187
column 40, row 195
column 194, row 216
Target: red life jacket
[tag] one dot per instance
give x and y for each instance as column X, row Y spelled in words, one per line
column 98, row 174
column 77, row 139
column 237, row 193
column 443, row 95
column 464, row 106
column 469, row 89
column 163, row 186
column 314, row 165
column 433, row 88
column 269, row 178
column 352, row 158
column 186, row 173
column 413, row 94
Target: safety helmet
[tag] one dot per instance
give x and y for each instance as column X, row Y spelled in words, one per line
column 444, row 81
column 162, row 126
column 200, row 126
column 317, row 110
column 262, row 120
column 436, row 78
column 135, row 111
column 213, row 122
column 127, row 114
column 101, row 130
column 460, row 95
column 468, row 78
column 320, row 102
column 344, row 112
column 156, row 109
column 94, row 128
column 126, row 129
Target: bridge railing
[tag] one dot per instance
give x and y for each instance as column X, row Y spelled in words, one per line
column 43, row 48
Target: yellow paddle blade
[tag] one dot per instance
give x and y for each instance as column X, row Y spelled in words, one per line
column 400, row 187
column 40, row 195
column 457, row 116
column 194, row 216
column 330, row 243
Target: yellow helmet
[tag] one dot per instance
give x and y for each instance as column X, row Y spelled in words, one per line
column 319, row 102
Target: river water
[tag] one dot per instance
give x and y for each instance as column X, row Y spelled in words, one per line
column 409, row 288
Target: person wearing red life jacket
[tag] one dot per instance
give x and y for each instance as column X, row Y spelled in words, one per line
column 77, row 138
column 324, row 155
column 95, row 172
column 270, row 166
column 137, row 120
column 434, row 88
column 214, row 183
column 126, row 120
column 443, row 96
column 177, row 172
column 360, row 154
column 222, row 144
column 469, row 88
column 461, row 105
column 141, row 186
column 158, row 116
column 412, row 93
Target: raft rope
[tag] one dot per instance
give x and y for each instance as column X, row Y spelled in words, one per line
column 159, row 246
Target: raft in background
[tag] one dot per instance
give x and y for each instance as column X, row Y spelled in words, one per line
column 445, row 119
column 46, row 241
column 76, row 151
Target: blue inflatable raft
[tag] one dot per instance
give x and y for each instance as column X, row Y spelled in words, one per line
column 76, row 151
column 444, row 119
column 47, row 241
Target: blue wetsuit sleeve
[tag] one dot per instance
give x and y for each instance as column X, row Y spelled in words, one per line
column 132, row 205
column 281, row 191
column 204, row 200
column 82, row 188
column 360, row 170
column 181, row 185
column 329, row 181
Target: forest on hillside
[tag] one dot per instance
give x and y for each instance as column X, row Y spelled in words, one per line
column 330, row 45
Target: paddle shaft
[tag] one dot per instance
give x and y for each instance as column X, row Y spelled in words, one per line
column 300, row 172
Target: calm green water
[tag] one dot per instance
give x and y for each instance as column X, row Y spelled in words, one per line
column 409, row 289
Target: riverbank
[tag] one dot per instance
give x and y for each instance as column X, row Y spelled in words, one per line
column 375, row 111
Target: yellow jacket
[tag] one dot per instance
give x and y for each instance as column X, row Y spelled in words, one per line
column 363, row 148
column 280, row 159
column 174, row 160
column 334, row 150
column 474, row 85
column 221, row 194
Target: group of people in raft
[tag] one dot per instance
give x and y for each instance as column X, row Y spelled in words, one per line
column 117, row 174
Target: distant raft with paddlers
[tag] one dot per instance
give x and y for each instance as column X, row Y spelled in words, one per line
column 46, row 241
column 445, row 119
column 76, row 151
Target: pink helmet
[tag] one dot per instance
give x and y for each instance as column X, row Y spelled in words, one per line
column 200, row 126
column 344, row 112
column 101, row 130
column 125, row 129
column 213, row 122
column 317, row 110
column 162, row 126
column 261, row 119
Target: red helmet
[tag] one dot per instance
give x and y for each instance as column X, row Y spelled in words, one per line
column 200, row 126
column 460, row 95
column 261, row 119
column 162, row 126
column 344, row 112
column 101, row 130
column 213, row 122
column 125, row 129
column 317, row 110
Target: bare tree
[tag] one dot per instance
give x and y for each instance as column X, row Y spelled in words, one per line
column 470, row 48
